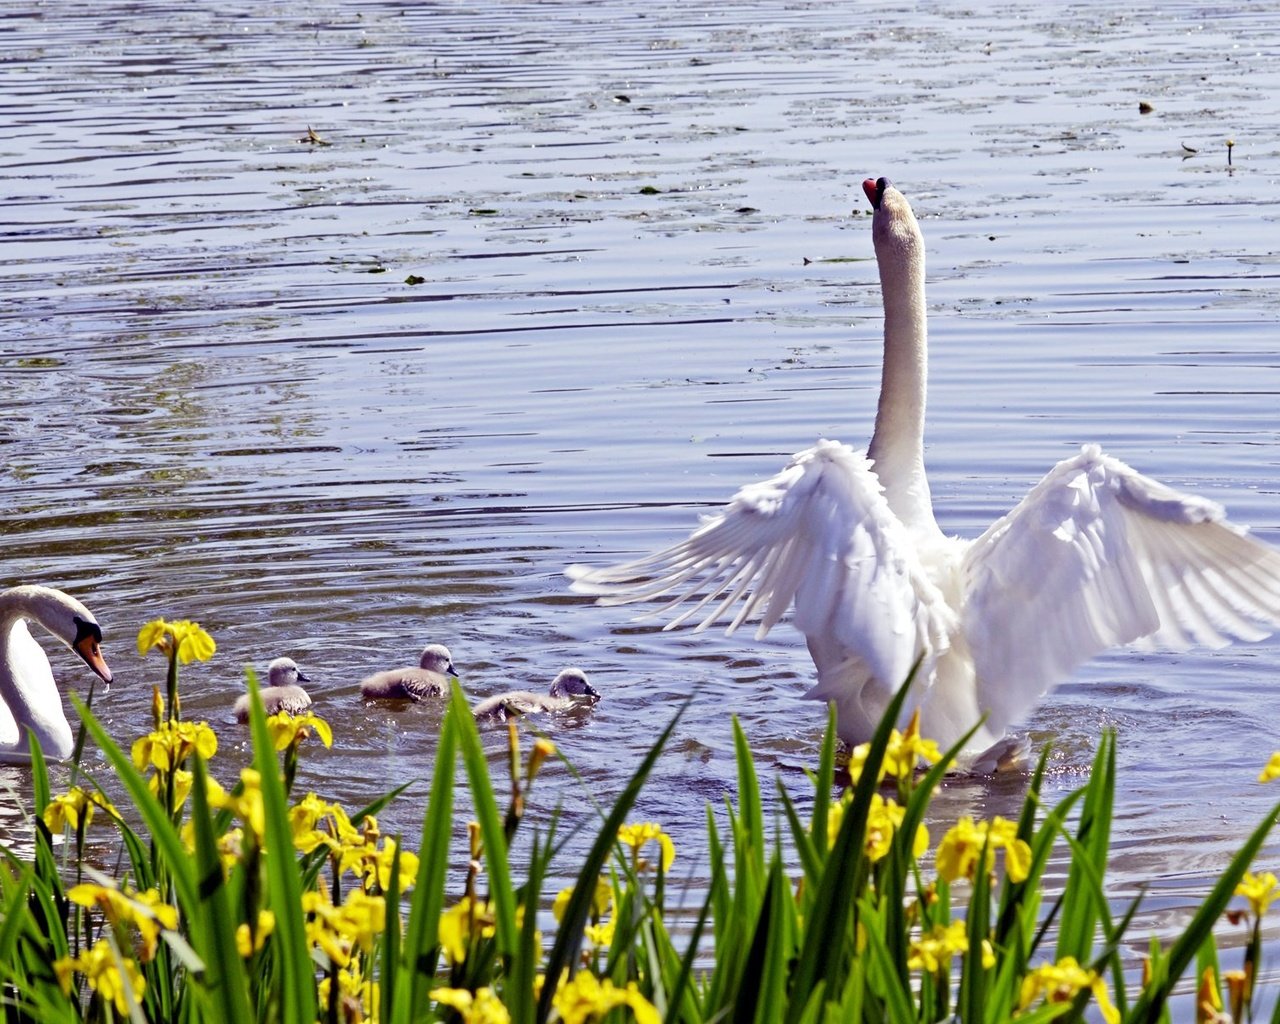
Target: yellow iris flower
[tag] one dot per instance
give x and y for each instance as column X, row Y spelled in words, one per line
column 1259, row 890
column 305, row 818
column 247, row 944
column 479, row 1007
column 601, row 900
column 247, row 804
column 375, row 866
column 360, row 995
column 145, row 911
column 542, row 749
column 287, row 730
column 932, row 952
column 338, row 931
column 906, row 750
column 116, row 979
column 587, row 999
column 961, row 849
column 1271, row 770
column 184, row 636
column 75, row 807
column 169, row 746
column 902, row 755
column 883, row 818
column 1062, row 982
column 460, row 923
column 599, row 931
column 636, row 836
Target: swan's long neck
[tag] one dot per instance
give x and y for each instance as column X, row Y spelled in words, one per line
column 26, row 680
column 897, row 446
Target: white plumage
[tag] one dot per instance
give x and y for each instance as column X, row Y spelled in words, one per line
column 29, row 697
column 1097, row 555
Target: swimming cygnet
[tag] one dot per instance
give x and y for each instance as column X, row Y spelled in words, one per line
column 429, row 679
column 570, row 690
column 282, row 692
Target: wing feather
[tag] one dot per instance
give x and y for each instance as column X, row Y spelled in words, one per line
column 1098, row 555
column 820, row 537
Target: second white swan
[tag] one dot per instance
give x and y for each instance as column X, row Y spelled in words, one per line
column 30, row 696
column 1097, row 555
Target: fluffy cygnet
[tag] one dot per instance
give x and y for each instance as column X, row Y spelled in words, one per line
column 430, row 679
column 282, row 692
column 569, row 690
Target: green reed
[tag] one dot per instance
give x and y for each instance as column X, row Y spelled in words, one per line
column 254, row 903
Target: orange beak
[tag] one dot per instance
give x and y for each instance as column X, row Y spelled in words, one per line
column 87, row 647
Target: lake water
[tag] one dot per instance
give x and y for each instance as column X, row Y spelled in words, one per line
column 644, row 277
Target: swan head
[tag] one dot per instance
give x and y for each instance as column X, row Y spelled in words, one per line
column 285, row 672
column 72, row 623
column 436, row 658
column 572, row 682
column 894, row 231
column 88, row 644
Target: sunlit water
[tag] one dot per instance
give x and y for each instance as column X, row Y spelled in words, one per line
column 643, row 277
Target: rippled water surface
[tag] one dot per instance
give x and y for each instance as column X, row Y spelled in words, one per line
column 548, row 280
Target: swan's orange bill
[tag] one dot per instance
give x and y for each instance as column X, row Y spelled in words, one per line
column 87, row 648
column 869, row 187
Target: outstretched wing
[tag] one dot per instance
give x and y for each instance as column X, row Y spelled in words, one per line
column 1099, row 555
column 818, row 535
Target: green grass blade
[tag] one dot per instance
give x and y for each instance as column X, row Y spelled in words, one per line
column 764, row 961
column 46, row 863
column 564, row 952
column 1111, row 956
column 974, row 977
column 901, row 861
column 824, row 782
column 825, row 953
column 39, row 774
column 391, row 938
column 813, row 1010
column 14, row 886
column 163, row 834
column 215, row 919
column 681, row 1002
column 803, row 842
column 297, row 995
column 750, row 815
column 421, row 950
column 726, row 929
column 1081, row 908
column 501, row 892
column 1014, row 894
column 1151, row 1003
column 1011, row 966
column 518, row 991
column 891, row 986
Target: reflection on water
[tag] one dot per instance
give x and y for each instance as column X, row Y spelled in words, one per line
column 561, row 279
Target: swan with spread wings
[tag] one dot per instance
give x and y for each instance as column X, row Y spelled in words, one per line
column 1096, row 556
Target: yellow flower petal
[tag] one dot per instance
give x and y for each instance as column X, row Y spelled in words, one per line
column 152, row 635
column 1260, row 890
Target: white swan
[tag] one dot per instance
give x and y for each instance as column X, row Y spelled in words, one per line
column 30, row 696
column 570, row 690
column 1097, row 555
column 282, row 692
column 430, row 679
